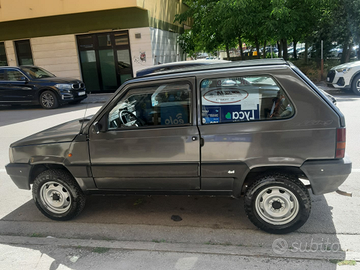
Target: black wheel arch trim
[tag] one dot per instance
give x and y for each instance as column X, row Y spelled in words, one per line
column 352, row 78
column 49, row 88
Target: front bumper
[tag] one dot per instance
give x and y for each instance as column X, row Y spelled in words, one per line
column 74, row 95
column 20, row 174
column 338, row 80
column 326, row 175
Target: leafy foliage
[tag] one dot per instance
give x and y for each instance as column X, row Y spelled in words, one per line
column 223, row 23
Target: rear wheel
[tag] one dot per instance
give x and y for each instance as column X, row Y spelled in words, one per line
column 49, row 100
column 57, row 195
column 355, row 86
column 277, row 203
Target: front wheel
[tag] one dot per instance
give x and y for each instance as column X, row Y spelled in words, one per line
column 57, row 195
column 355, row 86
column 49, row 100
column 277, row 203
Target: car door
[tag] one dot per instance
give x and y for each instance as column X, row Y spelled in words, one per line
column 241, row 116
column 150, row 140
column 16, row 87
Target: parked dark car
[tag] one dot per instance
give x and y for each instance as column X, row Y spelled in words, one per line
column 35, row 85
column 257, row 129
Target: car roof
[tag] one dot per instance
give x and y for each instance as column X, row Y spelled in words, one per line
column 3, row 67
column 177, row 65
column 18, row 67
column 221, row 65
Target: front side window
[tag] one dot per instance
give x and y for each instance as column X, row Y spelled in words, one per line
column 158, row 105
column 37, row 73
column 234, row 99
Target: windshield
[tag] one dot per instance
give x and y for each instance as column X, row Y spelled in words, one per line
column 37, row 73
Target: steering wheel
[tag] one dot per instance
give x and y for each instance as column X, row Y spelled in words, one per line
column 129, row 119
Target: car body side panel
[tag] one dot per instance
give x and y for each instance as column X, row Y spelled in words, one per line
column 141, row 153
column 44, row 153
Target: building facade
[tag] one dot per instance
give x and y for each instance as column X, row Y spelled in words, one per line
column 101, row 42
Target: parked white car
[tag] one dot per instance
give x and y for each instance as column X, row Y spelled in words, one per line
column 345, row 76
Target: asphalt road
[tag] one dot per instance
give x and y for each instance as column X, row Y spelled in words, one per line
column 137, row 232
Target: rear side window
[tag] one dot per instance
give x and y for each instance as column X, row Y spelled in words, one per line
column 14, row 75
column 236, row 99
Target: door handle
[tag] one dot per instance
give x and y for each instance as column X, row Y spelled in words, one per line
column 195, row 138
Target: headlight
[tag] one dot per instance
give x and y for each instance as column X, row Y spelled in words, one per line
column 63, row 86
column 343, row 70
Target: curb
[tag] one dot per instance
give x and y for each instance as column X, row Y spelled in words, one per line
column 179, row 248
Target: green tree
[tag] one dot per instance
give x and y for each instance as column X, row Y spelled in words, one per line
column 223, row 23
column 345, row 25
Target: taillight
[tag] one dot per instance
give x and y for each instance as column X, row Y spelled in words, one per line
column 340, row 142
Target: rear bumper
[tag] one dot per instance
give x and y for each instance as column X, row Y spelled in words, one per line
column 20, row 174
column 326, row 175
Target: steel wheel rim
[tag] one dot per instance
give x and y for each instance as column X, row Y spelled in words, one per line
column 277, row 205
column 55, row 197
column 47, row 100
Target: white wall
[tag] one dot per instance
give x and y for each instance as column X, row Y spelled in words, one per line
column 57, row 54
column 164, row 46
column 10, row 53
column 139, row 46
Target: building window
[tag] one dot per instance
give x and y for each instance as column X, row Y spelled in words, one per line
column 3, row 60
column 235, row 99
column 23, row 52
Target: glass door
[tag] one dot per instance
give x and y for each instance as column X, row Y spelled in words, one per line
column 88, row 63
column 124, row 68
column 105, row 60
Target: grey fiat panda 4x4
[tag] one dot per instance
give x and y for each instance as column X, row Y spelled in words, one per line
column 258, row 129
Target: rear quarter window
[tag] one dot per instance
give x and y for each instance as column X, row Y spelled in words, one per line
column 243, row 99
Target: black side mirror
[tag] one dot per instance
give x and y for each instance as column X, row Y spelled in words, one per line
column 96, row 127
column 23, row 79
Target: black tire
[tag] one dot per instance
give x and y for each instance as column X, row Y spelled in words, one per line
column 277, row 203
column 355, row 85
column 69, row 199
column 48, row 100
